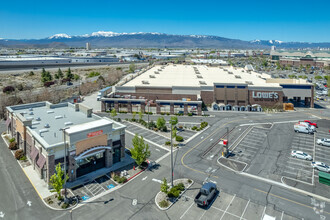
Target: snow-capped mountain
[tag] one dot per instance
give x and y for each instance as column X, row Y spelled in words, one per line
column 58, row 36
column 101, row 39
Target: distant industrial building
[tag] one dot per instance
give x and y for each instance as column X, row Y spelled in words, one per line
column 297, row 58
column 92, row 142
column 88, row 46
column 183, row 88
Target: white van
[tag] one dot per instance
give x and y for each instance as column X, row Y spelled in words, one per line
column 303, row 128
column 307, row 124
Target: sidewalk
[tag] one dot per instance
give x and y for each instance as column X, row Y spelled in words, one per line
column 39, row 184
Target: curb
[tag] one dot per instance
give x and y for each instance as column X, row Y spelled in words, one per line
column 31, row 181
column 279, row 184
column 176, row 199
column 109, row 191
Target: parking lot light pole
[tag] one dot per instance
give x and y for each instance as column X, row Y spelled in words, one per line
column 171, row 155
column 65, row 153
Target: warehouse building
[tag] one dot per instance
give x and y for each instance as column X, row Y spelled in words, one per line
column 92, row 142
column 184, row 89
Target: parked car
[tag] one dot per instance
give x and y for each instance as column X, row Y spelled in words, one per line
column 311, row 123
column 206, row 194
column 324, row 142
column 301, row 155
column 321, row 166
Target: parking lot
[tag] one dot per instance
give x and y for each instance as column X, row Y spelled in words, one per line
column 225, row 206
column 95, row 187
column 250, row 145
column 157, row 138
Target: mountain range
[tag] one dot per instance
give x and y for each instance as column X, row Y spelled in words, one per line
column 103, row 39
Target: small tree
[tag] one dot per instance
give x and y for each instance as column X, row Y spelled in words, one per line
column 140, row 151
column 140, row 115
column 174, row 120
column 164, row 187
column 133, row 116
column 160, row 123
column 60, row 73
column 132, row 68
column 69, row 75
column 174, row 131
column 113, row 113
column 76, row 77
column 57, row 180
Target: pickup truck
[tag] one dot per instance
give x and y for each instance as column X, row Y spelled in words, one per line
column 206, row 194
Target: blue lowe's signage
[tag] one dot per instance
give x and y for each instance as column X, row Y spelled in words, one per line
column 264, row 95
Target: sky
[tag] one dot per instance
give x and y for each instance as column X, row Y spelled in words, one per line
column 289, row 20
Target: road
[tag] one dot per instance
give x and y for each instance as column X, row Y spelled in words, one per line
column 189, row 163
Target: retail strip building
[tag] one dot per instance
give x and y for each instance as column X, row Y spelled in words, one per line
column 92, row 142
column 184, row 88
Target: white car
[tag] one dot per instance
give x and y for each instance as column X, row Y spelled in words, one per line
column 321, row 166
column 324, row 142
column 301, row 155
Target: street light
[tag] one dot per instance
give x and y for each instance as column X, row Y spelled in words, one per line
column 65, row 151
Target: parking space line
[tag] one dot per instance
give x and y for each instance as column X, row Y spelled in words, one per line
column 263, row 213
column 245, row 209
column 299, row 164
column 301, row 170
column 187, row 210
column 227, row 212
column 202, row 215
column 89, row 190
column 228, row 206
column 282, row 215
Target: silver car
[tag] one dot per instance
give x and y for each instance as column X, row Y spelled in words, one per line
column 324, row 142
column 321, row 166
column 301, row 155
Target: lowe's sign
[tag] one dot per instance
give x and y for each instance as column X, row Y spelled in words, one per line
column 264, row 95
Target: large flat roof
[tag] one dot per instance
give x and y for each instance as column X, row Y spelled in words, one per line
column 185, row 76
column 56, row 116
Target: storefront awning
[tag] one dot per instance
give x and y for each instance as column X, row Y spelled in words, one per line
column 92, row 151
column 34, row 153
column 41, row 161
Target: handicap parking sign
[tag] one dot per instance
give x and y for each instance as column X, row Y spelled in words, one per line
column 85, row 198
column 110, row 186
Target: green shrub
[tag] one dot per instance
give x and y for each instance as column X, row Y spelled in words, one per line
column 180, row 187
column 11, row 140
column 119, row 179
column 189, row 181
column 162, row 113
column 164, row 204
column 194, row 128
column 13, row 146
column 198, row 129
column 65, row 205
column 164, row 129
column 179, row 138
column 23, row 158
column 190, row 114
column 173, row 193
column 167, row 113
column 168, row 143
column 93, row 74
column 19, row 153
column 204, row 124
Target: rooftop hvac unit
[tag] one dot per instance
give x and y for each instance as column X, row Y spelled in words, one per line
column 243, row 71
column 29, row 118
column 202, row 82
column 229, row 72
column 47, row 126
column 145, row 82
column 38, row 119
column 30, row 109
column 238, row 76
column 156, row 72
column 35, row 123
column 58, row 116
column 249, row 82
column 30, row 113
column 68, row 123
column 152, row 76
column 49, row 112
column 199, row 76
column 42, row 131
column 225, row 70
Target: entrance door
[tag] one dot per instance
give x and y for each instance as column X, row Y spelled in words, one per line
column 90, row 164
column 116, row 155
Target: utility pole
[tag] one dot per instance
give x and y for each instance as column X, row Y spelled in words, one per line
column 227, row 145
column 148, row 105
column 171, row 154
column 65, row 154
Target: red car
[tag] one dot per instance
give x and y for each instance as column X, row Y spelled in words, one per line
column 311, row 123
